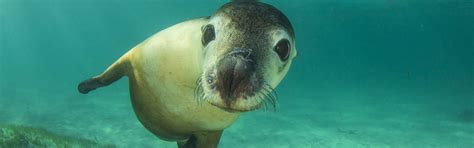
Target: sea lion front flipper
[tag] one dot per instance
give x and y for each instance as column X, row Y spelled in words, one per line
column 116, row 71
column 202, row 140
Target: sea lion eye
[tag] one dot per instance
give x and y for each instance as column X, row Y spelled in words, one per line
column 208, row 34
column 283, row 49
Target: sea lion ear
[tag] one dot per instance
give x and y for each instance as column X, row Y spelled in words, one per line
column 244, row 1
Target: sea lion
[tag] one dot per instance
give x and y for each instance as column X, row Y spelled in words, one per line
column 190, row 81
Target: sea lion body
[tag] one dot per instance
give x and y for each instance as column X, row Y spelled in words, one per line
column 192, row 80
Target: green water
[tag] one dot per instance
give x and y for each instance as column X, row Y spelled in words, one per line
column 370, row 73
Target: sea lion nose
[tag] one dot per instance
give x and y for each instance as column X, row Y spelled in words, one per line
column 234, row 71
column 242, row 52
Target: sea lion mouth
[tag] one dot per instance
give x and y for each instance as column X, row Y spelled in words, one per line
column 264, row 98
column 234, row 85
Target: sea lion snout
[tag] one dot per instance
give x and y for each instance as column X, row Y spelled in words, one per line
column 235, row 74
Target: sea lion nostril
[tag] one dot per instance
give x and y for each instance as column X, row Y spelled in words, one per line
column 242, row 52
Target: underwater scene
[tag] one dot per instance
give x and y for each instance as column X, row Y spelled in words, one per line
column 360, row 73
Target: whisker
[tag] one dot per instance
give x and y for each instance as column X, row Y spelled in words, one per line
column 274, row 93
column 268, row 105
column 264, row 102
column 198, row 91
column 258, row 97
column 270, row 96
column 253, row 101
column 201, row 97
column 267, row 99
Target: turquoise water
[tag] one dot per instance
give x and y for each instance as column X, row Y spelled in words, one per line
column 370, row 73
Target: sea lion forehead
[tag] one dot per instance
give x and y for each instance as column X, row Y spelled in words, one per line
column 254, row 16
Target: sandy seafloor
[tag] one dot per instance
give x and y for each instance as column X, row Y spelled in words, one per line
column 368, row 118
column 369, row 73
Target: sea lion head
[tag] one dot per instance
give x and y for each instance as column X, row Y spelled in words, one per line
column 248, row 47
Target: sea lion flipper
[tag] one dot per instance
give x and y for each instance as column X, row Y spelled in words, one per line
column 112, row 74
column 208, row 139
column 88, row 85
